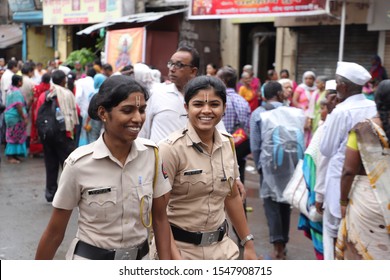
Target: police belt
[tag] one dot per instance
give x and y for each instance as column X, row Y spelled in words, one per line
column 199, row 238
column 91, row 252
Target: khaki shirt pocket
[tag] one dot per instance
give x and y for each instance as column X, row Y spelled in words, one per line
column 101, row 206
column 190, row 184
column 145, row 198
column 225, row 185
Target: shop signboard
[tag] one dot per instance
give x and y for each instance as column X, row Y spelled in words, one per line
column 217, row 9
column 66, row 12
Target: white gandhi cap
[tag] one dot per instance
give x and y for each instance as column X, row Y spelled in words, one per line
column 330, row 85
column 353, row 72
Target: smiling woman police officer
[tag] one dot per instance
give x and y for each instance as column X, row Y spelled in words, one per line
column 113, row 182
column 202, row 168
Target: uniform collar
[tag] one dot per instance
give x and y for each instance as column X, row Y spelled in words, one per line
column 193, row 137
column 101, row 150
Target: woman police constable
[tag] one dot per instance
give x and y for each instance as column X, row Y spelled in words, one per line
column 202, row 167
column 111, row 181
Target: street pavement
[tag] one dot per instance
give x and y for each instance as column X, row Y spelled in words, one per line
column 24, row 214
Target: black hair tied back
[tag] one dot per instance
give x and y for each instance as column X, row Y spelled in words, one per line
column 382, row 100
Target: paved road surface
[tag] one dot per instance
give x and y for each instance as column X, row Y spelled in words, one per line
column 24, row 214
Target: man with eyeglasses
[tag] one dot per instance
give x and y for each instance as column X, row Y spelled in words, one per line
column 165, row 112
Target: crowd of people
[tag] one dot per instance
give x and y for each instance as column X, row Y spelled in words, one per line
column 162, row 163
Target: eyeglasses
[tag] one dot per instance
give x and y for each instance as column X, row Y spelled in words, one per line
column 177, row 65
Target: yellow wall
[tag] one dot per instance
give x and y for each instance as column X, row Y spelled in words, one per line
column 36, row 45
column 230, row 43
column 64, row 41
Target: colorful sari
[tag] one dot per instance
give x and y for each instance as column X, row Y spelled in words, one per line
column 317, row 97
column 35, row 143
column 365, row 231
column 16, row 127
column 312, row 230
column 250, row 96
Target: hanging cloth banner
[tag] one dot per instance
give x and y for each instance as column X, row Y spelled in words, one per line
column 216, row 9
column 125, row 47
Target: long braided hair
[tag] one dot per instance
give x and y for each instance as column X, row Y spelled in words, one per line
column 382, row 100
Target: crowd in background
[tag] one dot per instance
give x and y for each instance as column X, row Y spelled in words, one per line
column 326, row 109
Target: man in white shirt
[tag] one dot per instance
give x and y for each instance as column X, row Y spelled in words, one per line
column 84, row 92
column 350, row 78
column 84, row 88
column 165, row 112
column 6, row 79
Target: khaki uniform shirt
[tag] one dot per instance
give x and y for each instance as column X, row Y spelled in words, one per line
column 108, row 194
column 198, row 180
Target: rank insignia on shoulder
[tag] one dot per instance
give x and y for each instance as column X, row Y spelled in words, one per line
column 99, row 190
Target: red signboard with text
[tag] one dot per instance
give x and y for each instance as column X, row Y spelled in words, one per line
column 209, row 9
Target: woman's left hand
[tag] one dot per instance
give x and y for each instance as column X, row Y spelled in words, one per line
column 249, row 251
column 241, row 189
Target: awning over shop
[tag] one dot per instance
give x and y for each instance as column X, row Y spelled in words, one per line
column 137, row 18
column 10, row 35
column 28, row 17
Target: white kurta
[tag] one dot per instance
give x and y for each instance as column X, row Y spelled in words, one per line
column 333, row 145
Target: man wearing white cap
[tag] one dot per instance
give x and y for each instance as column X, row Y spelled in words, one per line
column 350, row 78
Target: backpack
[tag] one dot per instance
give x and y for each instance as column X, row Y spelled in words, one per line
column 282, row 138
column 287, row 147
column 47, row 125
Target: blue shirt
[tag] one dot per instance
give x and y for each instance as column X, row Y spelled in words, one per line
column 237, row 111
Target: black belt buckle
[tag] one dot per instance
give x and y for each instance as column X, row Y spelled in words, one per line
column 136, row 253
column 126, row 254
column 211, row 237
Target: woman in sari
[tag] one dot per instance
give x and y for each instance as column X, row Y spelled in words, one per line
column 16, row 122
column 35, row 143
column 365, row 191
column 314, row 105
column 247, row 92
column 312, row 225
column 301, row 99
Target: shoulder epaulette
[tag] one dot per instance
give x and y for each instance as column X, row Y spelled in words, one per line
column 175, row 136
column 79, row 153
column 148, row 142
column 227, row 134
column 231, row 140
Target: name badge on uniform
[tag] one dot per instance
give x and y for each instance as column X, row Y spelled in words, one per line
column 193, row 172
column 99, row 190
